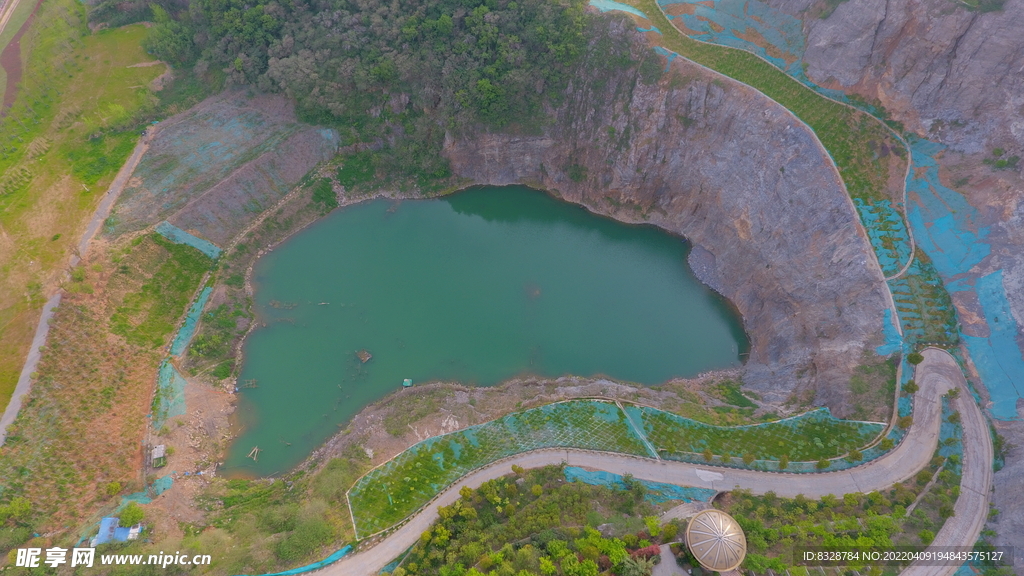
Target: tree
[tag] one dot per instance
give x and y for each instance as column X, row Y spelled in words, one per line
column 669, row 531
column 131, row 515
column 915, row 358
column 748, row 458
column 783, row 461
column 653, row 525
column 822, row 464
column 910, row 387
column 636, row 567
column 855, row 455
column 905, row 421
column 708, row 454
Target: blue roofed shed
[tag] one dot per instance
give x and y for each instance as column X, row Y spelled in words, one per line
column 111, row 532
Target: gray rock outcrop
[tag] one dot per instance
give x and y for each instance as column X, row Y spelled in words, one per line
column 747, row 183
column 944, row 70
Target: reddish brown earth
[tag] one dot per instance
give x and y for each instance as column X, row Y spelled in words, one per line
column 10, row 60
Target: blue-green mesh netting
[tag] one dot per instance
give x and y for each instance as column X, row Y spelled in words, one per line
column 657, row 492
column 179, row 236
column 170, row 395
column 184, row 335
column 389, row 493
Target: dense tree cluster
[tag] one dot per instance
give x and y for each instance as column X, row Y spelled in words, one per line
column 395, row 74
column 494, row 60
column 534, row 523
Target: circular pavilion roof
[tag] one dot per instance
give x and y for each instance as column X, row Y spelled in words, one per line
column 716, row 540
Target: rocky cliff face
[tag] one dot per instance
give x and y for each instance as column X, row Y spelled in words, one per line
column 939, row 67
column 717, row 162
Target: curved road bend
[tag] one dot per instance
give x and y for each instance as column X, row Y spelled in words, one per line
column 935, row 376
column 971, row 508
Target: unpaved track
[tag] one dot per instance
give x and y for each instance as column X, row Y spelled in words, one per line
column 43, row 328
column 935, row 376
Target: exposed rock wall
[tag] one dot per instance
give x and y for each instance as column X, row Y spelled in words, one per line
column 739, row 176
column 938, row 66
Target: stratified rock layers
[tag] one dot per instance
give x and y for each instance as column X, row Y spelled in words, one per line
column 735, row 173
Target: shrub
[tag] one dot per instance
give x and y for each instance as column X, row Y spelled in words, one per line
column 131, row 515
column 113, row 488
column 926, row 536
column 748, row 458
column 783, row 461
column 669, row 532
column 915, row 358
column 708, row 454
column 304, row 540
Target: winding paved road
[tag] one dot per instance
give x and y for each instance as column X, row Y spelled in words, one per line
column 938, row 374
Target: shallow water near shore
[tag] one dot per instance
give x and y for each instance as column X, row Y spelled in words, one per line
column 478, row 287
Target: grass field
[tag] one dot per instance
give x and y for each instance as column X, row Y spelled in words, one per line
column 808, row 437
column 67, row 134
column 391, row 492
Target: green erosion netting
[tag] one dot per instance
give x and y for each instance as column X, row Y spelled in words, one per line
column 184, row 335
column 657, row 492
column 389, row 493
column 170, row 395
column 158, row 487
column 179, row 236
column 887, row 233
column 807, row 437
column 213, row 168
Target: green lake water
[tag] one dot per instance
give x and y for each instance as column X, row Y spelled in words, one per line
column 478, row 287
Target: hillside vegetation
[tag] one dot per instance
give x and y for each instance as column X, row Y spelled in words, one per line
column 395, row 75
column 71, row 127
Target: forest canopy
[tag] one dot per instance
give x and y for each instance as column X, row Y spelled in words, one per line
column 361, row 65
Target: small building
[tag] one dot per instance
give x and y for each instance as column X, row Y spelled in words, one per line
column 158, row 458
column 110, row 531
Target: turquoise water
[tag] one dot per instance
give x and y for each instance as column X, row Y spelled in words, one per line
column 477, row 287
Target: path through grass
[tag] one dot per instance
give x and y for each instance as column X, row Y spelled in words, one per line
column 67, row 134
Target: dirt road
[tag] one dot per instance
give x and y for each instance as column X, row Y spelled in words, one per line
column 935, row 376
column 43, row 328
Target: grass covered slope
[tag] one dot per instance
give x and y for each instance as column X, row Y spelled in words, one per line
column 398, row 75
column 69, row 131
column 80, row 429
